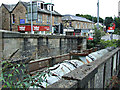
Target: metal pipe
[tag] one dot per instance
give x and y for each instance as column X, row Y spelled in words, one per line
column 32, row 32
column 98, row 15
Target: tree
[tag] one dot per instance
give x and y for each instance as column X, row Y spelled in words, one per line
column 108, row 21
column 97, row 36
column 117, row 25
column 91, row 18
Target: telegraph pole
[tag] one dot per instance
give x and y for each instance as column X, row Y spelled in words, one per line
column 98, row 15
column 32, row 32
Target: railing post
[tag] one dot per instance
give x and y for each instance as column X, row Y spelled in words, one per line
column 112, row 66
column 117, row 60
column 104, row 75
column 60, row 46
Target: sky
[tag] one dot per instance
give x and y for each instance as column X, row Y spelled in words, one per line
column 108, row 8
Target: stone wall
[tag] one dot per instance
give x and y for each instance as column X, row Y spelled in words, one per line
column 96, row 74
column 17, row 46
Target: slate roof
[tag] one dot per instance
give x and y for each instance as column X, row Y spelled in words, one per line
column 75, row 18
column 9, row 7
column 49, row 12
column 25, row 4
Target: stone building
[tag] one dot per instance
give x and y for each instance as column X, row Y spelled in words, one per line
column 74, row 25
column 13, row 16
column 0, row 17
column 5, row 16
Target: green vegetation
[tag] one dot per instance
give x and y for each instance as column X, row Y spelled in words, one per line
column 96, row 38
column 117, row 27
column 89, row 17
column 98, row 33
column 107, row 21
column 101, row 43
column 15, row 75
column 112, row 43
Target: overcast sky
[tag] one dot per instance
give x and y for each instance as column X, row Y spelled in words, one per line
column 108, row 8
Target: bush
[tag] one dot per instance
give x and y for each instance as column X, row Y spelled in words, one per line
column 112, row 43
column 90, row 44
column 15, row 75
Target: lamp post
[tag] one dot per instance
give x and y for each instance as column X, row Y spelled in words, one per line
column 32, row 32
column 98, row 15
column 51, row 19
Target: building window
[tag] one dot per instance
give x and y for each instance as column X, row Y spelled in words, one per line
column 70, row 24
column 90, row 26
column 79, row 25
column 76, row 26
column 26, row 18
column 83, row 25
column 50, row 7
column 13, row 18
column 86, row 25
column 40, row 18
column 41, row 5
column 48, row 19
column 55, row 20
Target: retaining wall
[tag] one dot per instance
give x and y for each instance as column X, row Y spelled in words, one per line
column 17, row 46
